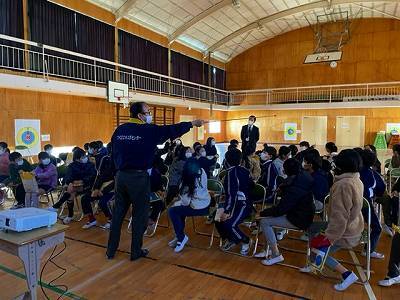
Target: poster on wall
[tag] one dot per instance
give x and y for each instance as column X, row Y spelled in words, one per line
column 290, row 132
column 200, row 133
column 27, row 136
column 392, row 127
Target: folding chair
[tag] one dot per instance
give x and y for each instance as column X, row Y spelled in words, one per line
column 222, row 175
column 393, row 175
column 155, row 197
column 216, row 189
column 49, row 196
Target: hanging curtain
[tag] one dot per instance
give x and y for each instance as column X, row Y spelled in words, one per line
column 52, row 24
column 94, row 38
column 11, row 19
column 186, row 68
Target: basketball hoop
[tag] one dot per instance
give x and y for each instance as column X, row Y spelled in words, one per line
column 124, row 101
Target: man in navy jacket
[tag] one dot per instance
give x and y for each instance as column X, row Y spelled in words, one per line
column 133, row 148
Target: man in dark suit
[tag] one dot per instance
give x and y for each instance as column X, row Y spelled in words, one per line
column 250, row 134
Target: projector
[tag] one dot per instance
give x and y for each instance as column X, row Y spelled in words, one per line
column 25, row 219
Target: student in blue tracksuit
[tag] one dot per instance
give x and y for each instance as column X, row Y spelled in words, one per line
column 312, row 163
column 133, row 147
column 373, row 186
column 237, row 206
column 269, row 173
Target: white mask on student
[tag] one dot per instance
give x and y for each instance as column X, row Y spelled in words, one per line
column 90, row 151
column 263, row 156
column 46, row 161
column 148, row 119
column 48, row 151
column 302, row 148
column 178, row 142
column 20, row 162
column 2, row 151
column 188, row 154
column 212, row 143
column 84, row 160
column 203, row 154
column 303, row 164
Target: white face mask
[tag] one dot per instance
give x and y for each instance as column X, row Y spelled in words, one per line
column 188, row 154
column 20, row 162
column 289, row 156
column 302, row 148
column 148, row 119
column 303, row 164
column 48, row 151
column 2, row 151
column 263, row 156
column 84, row 160
column 46, row 161
column 90, row 151
column 178, row 142
column 212, row 143
column 203, row 153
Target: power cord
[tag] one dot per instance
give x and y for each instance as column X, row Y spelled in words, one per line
column 50, row 260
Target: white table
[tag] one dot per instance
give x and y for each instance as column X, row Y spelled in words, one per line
column 30, row 246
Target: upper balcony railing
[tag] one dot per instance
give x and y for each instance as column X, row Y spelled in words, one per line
column 383, row 91
column 47, row 61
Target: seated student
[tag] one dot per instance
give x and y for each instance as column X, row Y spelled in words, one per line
column 234, row 143
column 251, row 162
column 312, row 163
column 346, row 222
column 48, row 148
column 78, row 180
column 294, row 210
column 211, row 153
column 331, row 151
column 175, row 174
column 395, row 160
column 293, row 150
column 17, row 165
column 390, row 208
column 46, row 173
column 97, row 151
column 159, row 162
column 205, row 162
column 237, row 205
column 193, row 200
column 283, row 154
column 373, row 186
column 269, row 173
column 103, row 190
column 378, row 165
column 304, row 146
column 195, row 145
column 4, row 162
column 393, row 274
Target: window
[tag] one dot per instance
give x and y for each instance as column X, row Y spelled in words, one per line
column 214, row 127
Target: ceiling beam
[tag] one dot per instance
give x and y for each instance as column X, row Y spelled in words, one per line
column 377, row 11
column 180, row 30
column 283, row 14
column 124, row 10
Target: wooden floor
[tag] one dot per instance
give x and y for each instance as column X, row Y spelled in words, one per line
column 194, row 274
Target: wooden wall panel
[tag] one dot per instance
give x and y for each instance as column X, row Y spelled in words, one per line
column 271, row 122
column 70, row 120
column 372, row 55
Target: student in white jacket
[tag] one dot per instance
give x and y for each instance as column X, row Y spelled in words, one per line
column 193, row 200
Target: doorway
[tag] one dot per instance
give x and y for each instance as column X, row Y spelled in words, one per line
column 188, row 138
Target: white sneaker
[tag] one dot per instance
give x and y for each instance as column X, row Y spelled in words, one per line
column 67, row 220
column 173, row 242
column 263, row 254
column 306, row 269
column 89, row 224
column 374, row 254
column 106, row 226
column 389, row 281
column 346, row 283
column 180, row 245
column 272, row 261
column 386, row 229
column 245, row 249
column 281, row 234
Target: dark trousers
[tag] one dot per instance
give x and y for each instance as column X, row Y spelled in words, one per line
column 20, row 194
column 390, row 209
column 178, row 215
column 376, row 227
column 131, row 187
column 87, row 200
column 394, row 262
column 229, row 229
column 70, row 204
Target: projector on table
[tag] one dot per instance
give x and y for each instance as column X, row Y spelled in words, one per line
column 25, row 219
